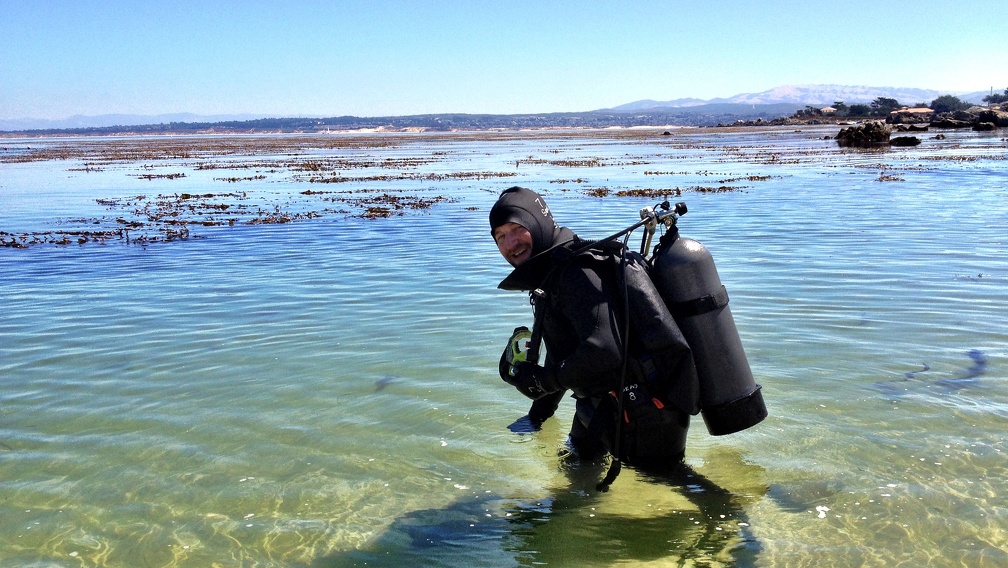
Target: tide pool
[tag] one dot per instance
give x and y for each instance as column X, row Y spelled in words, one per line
column 324, row 392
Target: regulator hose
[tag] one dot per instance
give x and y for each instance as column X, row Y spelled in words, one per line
column 616, row 466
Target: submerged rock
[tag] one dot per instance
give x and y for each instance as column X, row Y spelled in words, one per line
column 905, row 141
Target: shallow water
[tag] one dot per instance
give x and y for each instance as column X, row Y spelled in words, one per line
column 324, row 392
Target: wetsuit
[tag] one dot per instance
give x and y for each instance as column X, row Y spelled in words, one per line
column 582, row 327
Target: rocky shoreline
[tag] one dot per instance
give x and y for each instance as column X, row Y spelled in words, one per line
column 867, row 132
column 977, row 117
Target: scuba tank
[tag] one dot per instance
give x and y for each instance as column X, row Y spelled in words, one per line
column 683, row 271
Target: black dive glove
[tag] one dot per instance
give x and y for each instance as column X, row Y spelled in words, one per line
column 532, row 380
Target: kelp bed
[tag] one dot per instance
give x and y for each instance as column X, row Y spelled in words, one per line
column 166, row 216
column 363, row 176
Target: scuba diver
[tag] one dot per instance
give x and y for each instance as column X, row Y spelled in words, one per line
column 606, row 332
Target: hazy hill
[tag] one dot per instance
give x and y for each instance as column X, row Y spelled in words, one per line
column 105, row 120
column 802, row 95
column 774, row 103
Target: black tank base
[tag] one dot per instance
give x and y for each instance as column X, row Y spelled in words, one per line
column 736, row 415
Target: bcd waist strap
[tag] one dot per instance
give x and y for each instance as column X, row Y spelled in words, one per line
column 701, row 305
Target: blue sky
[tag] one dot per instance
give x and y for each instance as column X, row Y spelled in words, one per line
column 374, row 58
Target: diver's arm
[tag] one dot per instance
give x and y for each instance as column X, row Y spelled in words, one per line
column 544, row 407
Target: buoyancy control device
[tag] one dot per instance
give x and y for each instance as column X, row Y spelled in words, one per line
column 719, row 382
column 686, row 278
column 684, row 273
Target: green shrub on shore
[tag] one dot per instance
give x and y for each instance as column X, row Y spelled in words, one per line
column 948, row 103
column 996, row 98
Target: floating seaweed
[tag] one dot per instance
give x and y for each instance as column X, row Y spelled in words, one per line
column 235, row 179
column 889, row 177
column 363, row 182
column 160, row 176
column 650, row 192
column 744, row 178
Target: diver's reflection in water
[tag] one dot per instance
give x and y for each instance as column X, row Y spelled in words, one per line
column 671, row 514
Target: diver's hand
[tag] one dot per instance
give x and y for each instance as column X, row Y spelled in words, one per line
column 525, row 425
column 532, row 380
column 540, row 411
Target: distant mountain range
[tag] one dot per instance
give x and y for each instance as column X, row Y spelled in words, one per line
column 774, row 103
column 806, row 95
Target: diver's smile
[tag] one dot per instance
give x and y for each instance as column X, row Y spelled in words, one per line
column 514, row 243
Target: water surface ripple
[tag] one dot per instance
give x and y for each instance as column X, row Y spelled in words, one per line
column 324, row 392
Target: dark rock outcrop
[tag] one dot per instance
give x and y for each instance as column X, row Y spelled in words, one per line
column 905, row 141
column 995, row 116
column 972, row 117
column 943, row 122
column 865, row 135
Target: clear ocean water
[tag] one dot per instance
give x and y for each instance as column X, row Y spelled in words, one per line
column 323, row 392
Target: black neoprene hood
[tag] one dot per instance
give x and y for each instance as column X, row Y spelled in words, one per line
column 528, row 209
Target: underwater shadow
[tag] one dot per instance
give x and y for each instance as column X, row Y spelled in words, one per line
column 914, row 381
column 571, row 527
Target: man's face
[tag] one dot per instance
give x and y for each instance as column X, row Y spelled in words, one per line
column 514, row 243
